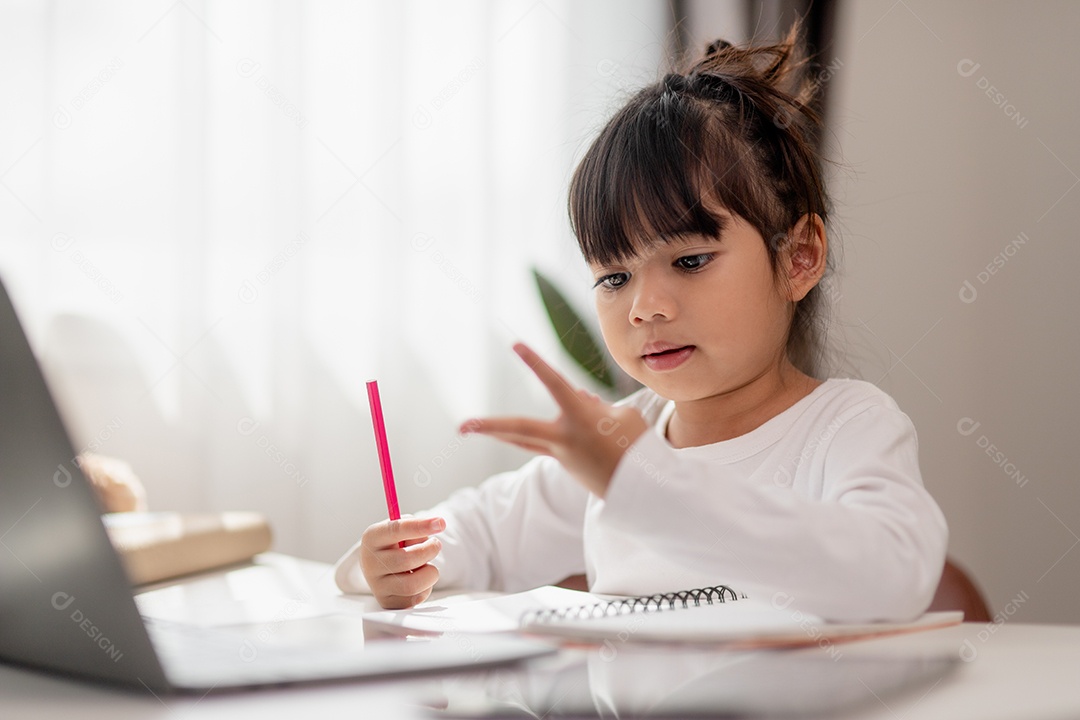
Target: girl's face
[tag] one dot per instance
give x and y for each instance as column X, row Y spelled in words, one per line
column 695, row 317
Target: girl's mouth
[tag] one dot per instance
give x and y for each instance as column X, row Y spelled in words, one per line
column 668, row 359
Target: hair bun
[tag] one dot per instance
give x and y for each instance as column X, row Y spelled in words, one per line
column 780, row 70
column 674, row 82
column 716, row 46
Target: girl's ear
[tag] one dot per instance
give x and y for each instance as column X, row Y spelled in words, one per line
column 805, row 256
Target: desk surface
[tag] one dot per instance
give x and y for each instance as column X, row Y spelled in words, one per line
column 1009, row 670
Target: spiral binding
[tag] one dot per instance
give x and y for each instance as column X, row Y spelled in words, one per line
column 627, row 606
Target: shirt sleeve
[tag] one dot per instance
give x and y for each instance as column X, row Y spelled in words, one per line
column 870, row 545
column 517, row 530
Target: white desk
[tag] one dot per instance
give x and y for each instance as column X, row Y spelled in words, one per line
column 1014, row 670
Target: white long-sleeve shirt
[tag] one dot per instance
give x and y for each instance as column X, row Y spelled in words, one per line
column 822, row 509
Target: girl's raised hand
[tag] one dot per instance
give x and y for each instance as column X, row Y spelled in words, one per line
column 589, row 437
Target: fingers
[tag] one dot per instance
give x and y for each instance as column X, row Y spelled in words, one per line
column 401, row 576
column 588, row 396
column 536, row 431
column 533, row 435
column 394, row 560
column 539, row 436
column 389, row 533
column 404, row 591
column 564, row 393
column 525, row 443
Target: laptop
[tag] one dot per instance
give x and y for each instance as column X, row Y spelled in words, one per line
column 67, row 606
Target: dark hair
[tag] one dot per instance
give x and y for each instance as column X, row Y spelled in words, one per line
column 735, row 126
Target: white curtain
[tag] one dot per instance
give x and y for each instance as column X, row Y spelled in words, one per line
column 218, row 219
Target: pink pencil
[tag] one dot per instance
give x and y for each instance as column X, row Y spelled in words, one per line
column 389, row 489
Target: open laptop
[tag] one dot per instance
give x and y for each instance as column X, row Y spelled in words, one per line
column 67, row 606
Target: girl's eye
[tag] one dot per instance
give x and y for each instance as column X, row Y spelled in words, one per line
column 694, row 262
column 613, row 281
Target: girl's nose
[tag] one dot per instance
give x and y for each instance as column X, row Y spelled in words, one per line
column 652, row 300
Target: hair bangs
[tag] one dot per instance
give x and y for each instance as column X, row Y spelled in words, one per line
column 643, row 180
column 734, row 132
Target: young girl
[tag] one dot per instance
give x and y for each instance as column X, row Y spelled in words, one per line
column 700, row 211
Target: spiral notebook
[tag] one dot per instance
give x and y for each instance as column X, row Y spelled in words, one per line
column 622, row 606
column 716, row 614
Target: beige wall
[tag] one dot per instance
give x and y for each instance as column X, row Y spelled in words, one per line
column 957, row 216
column 955, row 220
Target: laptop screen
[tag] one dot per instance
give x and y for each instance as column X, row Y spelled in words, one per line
column 65, row 603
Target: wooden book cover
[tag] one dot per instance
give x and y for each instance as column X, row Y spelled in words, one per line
column 156, row 546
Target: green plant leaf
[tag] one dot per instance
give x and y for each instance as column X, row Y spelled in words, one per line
column 573, row 333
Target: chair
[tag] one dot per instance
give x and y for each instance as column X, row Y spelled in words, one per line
column 956, row 591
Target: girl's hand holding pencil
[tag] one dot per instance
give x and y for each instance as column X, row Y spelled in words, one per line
column 394, row 553
column 588, row 438
column 394, row 556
